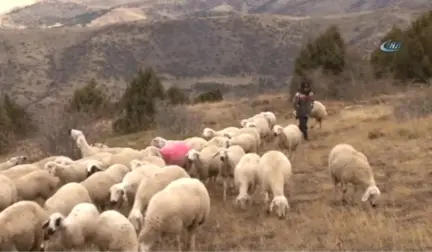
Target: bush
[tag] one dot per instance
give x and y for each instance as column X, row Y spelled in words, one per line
column 211, row 96
column 176, row 96
column 413, row 60
column 137, row 105
column 326, row 52
column 88, row 99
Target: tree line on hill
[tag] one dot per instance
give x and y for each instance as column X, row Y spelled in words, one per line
column 327, row 53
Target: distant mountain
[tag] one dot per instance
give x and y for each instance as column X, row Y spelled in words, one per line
column 47, row 13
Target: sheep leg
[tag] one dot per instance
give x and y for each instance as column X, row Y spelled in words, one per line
column 190, row 240
column 224, row 189
column 179, row 242
column 344, row 191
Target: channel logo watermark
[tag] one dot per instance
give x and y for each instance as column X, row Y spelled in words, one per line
column 390, row 46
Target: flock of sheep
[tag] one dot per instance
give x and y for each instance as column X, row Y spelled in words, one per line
column 122, row 199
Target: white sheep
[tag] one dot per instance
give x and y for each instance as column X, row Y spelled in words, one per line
column 148, row 187
column 153, row 160
column 196, row 143
column 247, row 178
column 98, row 186
column 11, row 162
column 75, row 172
column 86, row 149
column 246, row 141
column 21, row 225
column 261, row 123
column 209, row 133
column 73, row 232
column 229, row 159
column 318, row 112
column 218, row 141
column 288, row 138
column 8, row 192
column 123, row 157
column 19, row 170
column 271, row 118
column 124, row 192
column 347, row 165
column 38, row 186
column 114, row 233
column 275, row 174
column 252, row 131
column 66, row 198
column 184, row 200
column 203, row 164
column 160, row 142
column 151, row 151
column 23, row 169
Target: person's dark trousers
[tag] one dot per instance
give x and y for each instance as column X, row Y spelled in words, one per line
column 303, row 126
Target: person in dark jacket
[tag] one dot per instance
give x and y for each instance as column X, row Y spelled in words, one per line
column 303, row 103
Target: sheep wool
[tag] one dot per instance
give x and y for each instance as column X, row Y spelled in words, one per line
column 11, row 162
column 175, row 153
column 347, row 165
column 229, row 157
column 246, row 178
column 114, row 233
column 124, row 192
column 148, row 187
column 275, row 173
column 196, row 143
column 203, row 164
column 288, row 138
column 8, row 192
column 21, row 225
column 37, row 186
column 184, row 200
column 19, row 170
column 66, row 198
column 72, row 232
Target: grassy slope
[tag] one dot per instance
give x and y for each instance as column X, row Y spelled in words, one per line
column 398, row 152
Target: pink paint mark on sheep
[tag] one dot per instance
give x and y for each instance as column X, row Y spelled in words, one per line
column 175, row 153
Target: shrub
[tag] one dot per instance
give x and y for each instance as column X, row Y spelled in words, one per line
column 88, row 99
column 176, row 96
column 137, row 105
column 413, row 60
column 210, row 96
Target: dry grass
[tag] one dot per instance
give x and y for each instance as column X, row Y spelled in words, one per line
column 398, row 152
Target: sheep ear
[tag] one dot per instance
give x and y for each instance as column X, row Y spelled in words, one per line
column 58, row 222
column 366, row 195
column 45, row 224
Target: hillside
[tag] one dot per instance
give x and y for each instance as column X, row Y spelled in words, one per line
column 38, row 66
column 397, row 148
column 48, row 13
column 399, row 153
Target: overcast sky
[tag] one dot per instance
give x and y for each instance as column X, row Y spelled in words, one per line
column 7, row 5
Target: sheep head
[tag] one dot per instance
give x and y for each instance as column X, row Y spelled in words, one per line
column 208, row 133
column 277, row 130
column 372, row 193
column 117, row 194
column 243, row 201
column 244, row 122
column 135, row 164
column 280, row 206
column 158, row 142
column 18, row 160
column 93, row 168
column 50, row 226
column 74, row 133
column 50, row 167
